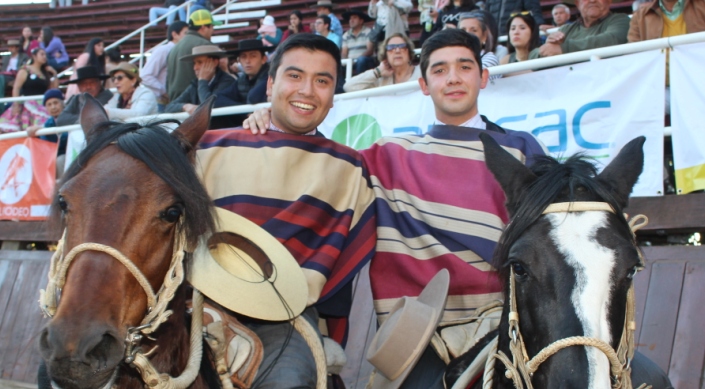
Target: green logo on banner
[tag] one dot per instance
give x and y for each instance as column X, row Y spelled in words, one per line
column 358, row 131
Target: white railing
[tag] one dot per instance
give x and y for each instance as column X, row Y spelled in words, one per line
column 537, row 64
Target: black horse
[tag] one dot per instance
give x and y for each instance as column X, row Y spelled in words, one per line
column 571, row 270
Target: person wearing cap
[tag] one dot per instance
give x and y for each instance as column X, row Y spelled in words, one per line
column 211, row 80
column 132, row 99
column 329, row 229
column 325, row 7
column 89, row 80
column 356, row 41
column 179, row 73
column 252, row 80
column 54, row 104
column 13, row 62
column 154, row 71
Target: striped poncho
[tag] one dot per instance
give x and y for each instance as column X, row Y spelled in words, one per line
column 438, row 206
column 310, row 193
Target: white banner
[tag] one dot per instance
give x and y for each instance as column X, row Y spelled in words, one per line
column 688, row 116
column 594, row 108
column 75, row 143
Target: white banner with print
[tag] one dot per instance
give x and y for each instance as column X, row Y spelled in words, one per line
column 593, row 107
column 688, row 116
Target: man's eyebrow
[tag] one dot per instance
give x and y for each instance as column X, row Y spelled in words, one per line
column 464, row 60
column 439, row 63
column 294, row 68
column 325, row 74
column 320, row 74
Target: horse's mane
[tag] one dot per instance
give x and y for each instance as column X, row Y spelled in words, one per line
column 166, row 155
column 556, row 182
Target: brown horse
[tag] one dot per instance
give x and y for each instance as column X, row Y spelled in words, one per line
column 133, row 189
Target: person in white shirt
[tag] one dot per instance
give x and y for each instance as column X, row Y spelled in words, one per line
column 132, row 99
column 154, row 71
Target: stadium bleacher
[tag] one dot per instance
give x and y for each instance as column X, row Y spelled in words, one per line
column 113, row 19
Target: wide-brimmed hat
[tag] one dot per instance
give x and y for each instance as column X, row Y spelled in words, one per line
column 88, row 72
column 403, row 337
column 250, row 45
column 365, row 18
column 323, row 3
column 228, row 268
column 202, row 17
column 130, row 70
column 207, row 50
column 13, row 42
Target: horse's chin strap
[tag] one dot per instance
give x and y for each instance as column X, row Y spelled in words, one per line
column 521, row 368
column 157, row 312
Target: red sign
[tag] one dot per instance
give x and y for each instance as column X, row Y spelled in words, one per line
column 27, row 178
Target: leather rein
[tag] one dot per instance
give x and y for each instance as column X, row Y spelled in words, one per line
column 520, row 368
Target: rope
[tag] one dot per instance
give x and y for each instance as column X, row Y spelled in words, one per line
column 488, row 375
column 543, row 355
column 314, row 343
column 163, row 381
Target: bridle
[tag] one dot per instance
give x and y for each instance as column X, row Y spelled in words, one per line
column 521, row 368
column 157, row 312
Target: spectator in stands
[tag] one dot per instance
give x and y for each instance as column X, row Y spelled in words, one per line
column 561, row 17
column 13, row 62
column 157, row 12
column 395, row 66
column 251, row 82
column 32, row 79
column 475, row 23
column 64, row 3
column 523, row 38
column 325, row 7
column 269, row 33
column 93, row 55
column 502, row 9
column 596, row 27
column 449, row 15
column 132, row 99
column 57, row 56
column 154, row 71
column 323, row 29
column 427, row 17
column 89, row 80
column 664, row 18
column 27, row 41
column 180, row 73
column 296, row 25
column 54, row 104
column 210, row 79
column 112, row 58
column 356, row 41
column 380, row 10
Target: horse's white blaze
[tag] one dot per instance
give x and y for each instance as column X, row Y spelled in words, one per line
column 574, row 236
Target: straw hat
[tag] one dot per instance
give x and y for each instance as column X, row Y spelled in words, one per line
column 13, row 42
column 129, row 69
column 323, row 3
column 228, row 269
column 400, row 341
column 207, row 50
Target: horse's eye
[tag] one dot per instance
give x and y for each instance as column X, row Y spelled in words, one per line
column 172, row 214
column 519, row 270
column 62, row 203
column 633, row 272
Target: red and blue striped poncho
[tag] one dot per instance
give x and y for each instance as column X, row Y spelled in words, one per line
column 438, row 206
column 310, row 193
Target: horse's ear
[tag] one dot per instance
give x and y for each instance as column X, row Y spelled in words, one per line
column 623, row 172
column 193, row 128
column 92, row 114
column 511, row 174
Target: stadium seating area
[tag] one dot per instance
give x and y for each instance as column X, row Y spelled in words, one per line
column 113, row 19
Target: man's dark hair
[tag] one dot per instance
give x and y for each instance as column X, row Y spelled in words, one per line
column 309, row 42
column 325, row 19
column 449, row 38
column 175, row 27
column 48, row 35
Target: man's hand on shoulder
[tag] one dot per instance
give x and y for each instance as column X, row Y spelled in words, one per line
column 258, row 122
column 190, row 108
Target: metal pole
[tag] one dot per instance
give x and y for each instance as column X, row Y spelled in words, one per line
column 141, row 49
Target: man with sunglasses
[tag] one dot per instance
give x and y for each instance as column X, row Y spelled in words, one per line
column 596, row 27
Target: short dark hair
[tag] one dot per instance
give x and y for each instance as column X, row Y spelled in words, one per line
column 449, row 38
column 175, row 27
column 325, row 19
column 306, row 41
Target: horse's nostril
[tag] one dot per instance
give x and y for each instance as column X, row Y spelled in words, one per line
column 44, row 345
column 104, row 353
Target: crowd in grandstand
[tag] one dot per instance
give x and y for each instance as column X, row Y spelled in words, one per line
column 189, row 68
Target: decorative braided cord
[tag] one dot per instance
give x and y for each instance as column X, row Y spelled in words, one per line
column 543, row 355
column 309, row 334
column 154, row 380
